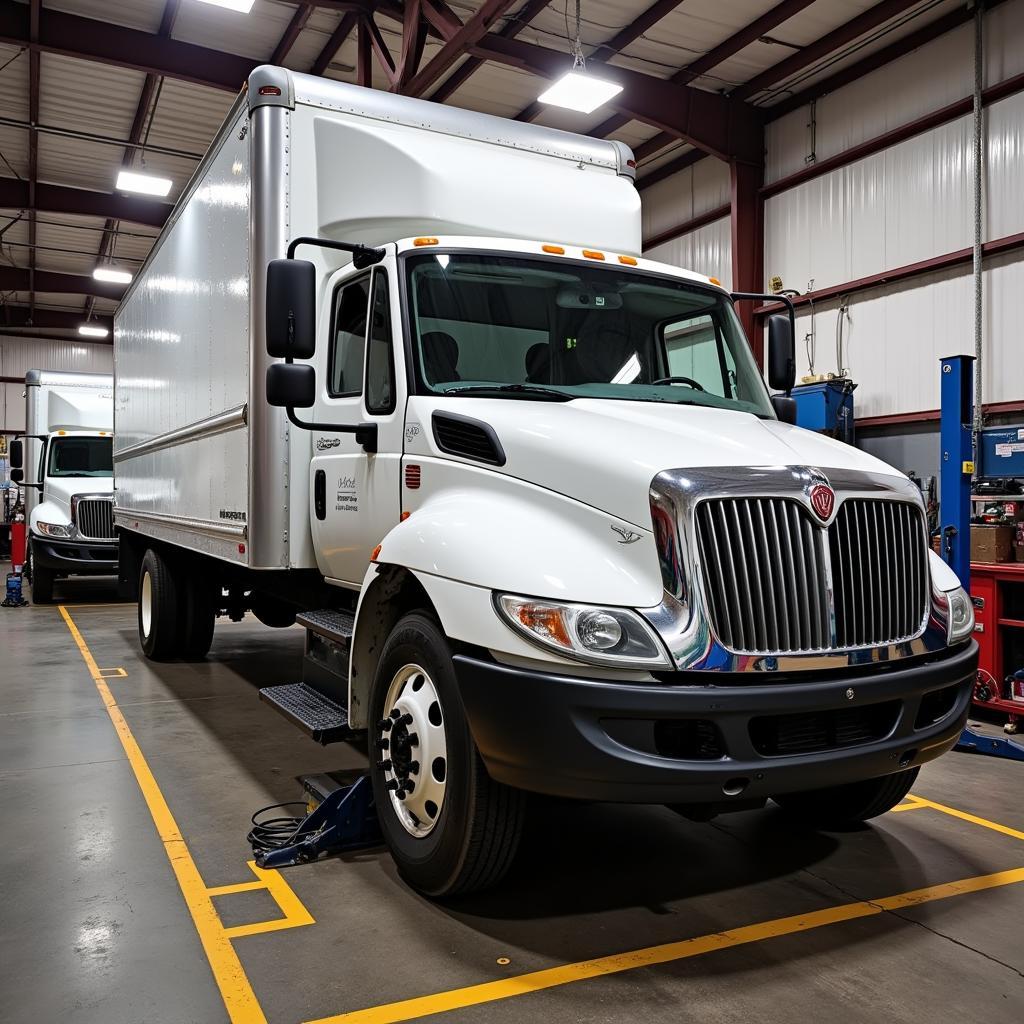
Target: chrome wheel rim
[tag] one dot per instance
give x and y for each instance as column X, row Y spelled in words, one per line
column 146, row 604
column 414, row 750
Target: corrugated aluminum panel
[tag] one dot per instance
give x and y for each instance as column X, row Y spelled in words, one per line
column 898, row 93
column 880, row 212
column 14, row 82
column 19, row 355
column 708, row 250
column 251, row 35
column 687, row 194
column 140, row 14
column 88, row 96
column 188, row 117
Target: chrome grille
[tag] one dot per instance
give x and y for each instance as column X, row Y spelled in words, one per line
column 95, row 518
column 775, row 582
column 879, row 571
column 763, row 565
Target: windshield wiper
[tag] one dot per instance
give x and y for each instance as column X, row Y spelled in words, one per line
column 529, row 390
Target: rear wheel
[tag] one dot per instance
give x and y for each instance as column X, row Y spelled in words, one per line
column 42, row 582
column 198, row 617
column 450, row 828
column 849, row 804
column 159, row 618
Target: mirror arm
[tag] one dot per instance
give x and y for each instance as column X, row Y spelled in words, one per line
column 366, row 433
column 363, row 256
column 767, row 297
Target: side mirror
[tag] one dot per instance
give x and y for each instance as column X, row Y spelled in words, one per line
column 17, row 454
column 291, row 309
column 17, row 475
column 781, row 357
column 785, row 408
column 291, row 385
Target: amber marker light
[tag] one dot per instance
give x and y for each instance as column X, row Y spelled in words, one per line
column 593, row 254
column 555, row 250
column 547, row 621
column 376, row 552
column 424, row 241
column 630, row 261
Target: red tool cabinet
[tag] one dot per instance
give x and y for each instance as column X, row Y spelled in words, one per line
column 998, row 593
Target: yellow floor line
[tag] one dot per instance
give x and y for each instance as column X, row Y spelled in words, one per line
column 474, row 995
column 239, row 998
column 973, row 818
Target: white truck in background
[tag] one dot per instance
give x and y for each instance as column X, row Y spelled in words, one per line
column 398, row 370
column 65, row 469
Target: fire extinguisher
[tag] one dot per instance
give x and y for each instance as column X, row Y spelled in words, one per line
column 18, row 543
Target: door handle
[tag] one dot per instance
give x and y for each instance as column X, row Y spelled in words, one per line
column 320, row 494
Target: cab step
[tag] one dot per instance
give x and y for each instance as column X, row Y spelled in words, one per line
column 328, row 648
column 316, row 715
column 330, row 623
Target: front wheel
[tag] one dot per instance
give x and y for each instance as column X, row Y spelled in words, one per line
column 42, row 582
column 450, row 828
column 846, row 805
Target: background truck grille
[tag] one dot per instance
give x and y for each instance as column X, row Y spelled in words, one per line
column 766, row 567
column 879, row 573
column 95, row 518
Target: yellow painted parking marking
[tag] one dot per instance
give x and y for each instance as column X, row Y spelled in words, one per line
column 113, row 673
column 474, row 995
column 236, row 991
column 910, row 803
column 295, row 913
column 973, row 818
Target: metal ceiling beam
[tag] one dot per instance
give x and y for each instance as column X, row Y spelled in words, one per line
column 291, row 33
column 821, row 48
column 718, row 55
column 454, row 49
column 718, row 125
column 33, row 143
column 380, row 48
column 16, row 318
column 16, row 279
column 873, row 61
column 14, row 195
column 608, row 49
column 348, row 22
column 509, row 30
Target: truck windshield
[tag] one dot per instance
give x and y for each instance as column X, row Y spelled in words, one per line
column 550, row 329
column 81, row 456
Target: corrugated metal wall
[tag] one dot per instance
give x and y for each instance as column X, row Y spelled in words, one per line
column 909, row 203
column 19, row 355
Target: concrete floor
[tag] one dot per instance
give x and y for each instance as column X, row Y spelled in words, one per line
column 94, row 927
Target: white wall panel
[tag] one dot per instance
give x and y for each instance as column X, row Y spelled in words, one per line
column 923, row 81
column 898, row 333
column 708, row 250
column 908, row 203
column 689, row 193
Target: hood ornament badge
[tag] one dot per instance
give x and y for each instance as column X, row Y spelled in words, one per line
column 822, row 499
column 628, row 536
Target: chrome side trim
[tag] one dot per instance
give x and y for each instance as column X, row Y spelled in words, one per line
column 682, row 618
column 220, row 423
column 210, row 526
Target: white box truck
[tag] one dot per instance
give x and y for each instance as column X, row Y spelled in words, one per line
column 399, row 370
column 67, row 456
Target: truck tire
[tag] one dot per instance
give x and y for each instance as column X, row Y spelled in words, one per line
column 198, row 617
column 456, row 830
column 42, row 583
column 159, row 617
column 840, row 806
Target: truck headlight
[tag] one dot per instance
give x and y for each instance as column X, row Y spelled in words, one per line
column 961, row 615
column 602, row 636
column 53, row 529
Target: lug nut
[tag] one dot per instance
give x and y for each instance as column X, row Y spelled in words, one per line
column 396, row 714
column 392, row 784
column 385, row 765
column 414, row 767
column 409, row 786
column 385, row 725
column 414, row 740
column 383, row 744
column 405, row 720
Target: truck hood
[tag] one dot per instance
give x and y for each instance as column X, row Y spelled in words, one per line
column 606, row 453
column 58, row 492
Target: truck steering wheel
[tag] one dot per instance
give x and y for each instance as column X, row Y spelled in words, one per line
column 688, row 381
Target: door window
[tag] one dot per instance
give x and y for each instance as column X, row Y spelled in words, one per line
column 694, row 349
column 380, row 360
column 349, row 338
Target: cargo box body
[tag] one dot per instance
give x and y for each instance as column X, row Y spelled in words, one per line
column 201, row 460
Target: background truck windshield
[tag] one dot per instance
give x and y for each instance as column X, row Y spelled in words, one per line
column 480, row 322
column 81, row 456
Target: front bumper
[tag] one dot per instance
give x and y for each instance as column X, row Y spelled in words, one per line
column 75, row 557
column 712, row 744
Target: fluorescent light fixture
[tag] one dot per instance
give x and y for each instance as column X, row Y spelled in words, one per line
column 113, row 275
column 93, row 331
column 580, row 91
column 242, row 6
column 146, row 184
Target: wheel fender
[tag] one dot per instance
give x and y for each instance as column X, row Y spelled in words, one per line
column 48, row 512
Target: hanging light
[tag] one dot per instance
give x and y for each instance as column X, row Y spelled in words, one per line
column 577, row 89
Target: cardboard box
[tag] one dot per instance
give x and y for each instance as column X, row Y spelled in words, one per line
column 992, row 544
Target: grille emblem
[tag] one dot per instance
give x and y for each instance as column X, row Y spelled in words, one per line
column 823, row 500
column 850, row 694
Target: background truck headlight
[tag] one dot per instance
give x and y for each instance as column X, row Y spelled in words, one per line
column 602, row 636
column 53, row 529
column 961, row 614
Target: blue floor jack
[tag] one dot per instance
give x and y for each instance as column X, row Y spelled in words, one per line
column 974, row 741
column 341, row 817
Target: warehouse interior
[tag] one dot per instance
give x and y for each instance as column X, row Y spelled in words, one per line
column 840, row 180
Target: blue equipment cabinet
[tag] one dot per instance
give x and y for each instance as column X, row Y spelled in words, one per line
column 826, row 407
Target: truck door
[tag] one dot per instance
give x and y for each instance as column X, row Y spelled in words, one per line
column 354, row 495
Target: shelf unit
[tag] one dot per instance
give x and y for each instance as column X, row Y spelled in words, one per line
column 999, row 588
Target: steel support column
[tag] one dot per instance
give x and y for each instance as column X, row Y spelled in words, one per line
column 957, row 466
column 748, row 244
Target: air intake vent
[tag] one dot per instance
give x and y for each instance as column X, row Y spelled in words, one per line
column 471, row 439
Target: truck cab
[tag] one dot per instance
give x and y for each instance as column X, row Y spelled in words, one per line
column 65, row 466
